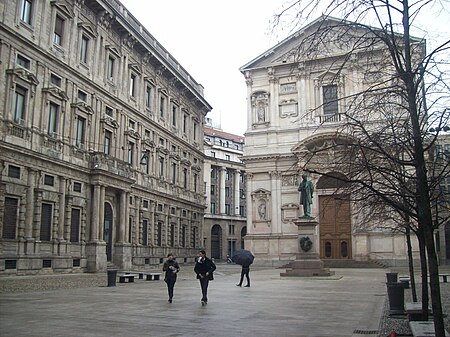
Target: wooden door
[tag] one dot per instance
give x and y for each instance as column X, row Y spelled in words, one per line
column 335, row 227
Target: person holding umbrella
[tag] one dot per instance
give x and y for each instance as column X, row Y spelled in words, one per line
column 204, row 268
column 245, row 271
column 171, row 268
column 245, row 259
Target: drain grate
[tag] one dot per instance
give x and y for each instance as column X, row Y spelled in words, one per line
column 366, row 332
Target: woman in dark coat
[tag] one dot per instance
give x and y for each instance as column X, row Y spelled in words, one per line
column 171, row 268
column 245, row 272
column 204, row 269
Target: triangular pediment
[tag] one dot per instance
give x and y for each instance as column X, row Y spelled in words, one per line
column 88, row 28
column 336, row 38
column 63, row 7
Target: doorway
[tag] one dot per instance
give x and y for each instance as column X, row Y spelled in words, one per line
column 216, row 242
column 108, row 231
column 335, row 227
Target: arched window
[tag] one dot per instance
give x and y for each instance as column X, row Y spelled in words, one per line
column 328, row 249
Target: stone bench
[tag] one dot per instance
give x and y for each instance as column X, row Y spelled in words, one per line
column 126, row 278
column 423, row 329
column 444, row 277
column 150, row 276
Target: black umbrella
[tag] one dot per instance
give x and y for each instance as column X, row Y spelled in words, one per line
column 243, row 257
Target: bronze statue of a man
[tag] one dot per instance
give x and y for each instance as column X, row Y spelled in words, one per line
column 306, row 190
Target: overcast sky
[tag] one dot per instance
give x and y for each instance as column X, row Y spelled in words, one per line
column 212, row 39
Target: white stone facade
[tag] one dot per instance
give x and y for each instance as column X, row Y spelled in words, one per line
column 101, row 141
column 287, row 116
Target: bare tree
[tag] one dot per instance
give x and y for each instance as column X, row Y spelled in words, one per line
column 384, row 143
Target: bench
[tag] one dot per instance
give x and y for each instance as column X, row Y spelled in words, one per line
column 126, row 278
column 423, row 329
column 151, row 276
column 414, row 311
column 444, row 277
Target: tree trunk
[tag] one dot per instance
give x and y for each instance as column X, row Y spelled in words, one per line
column 423, row 274
column 411, row 263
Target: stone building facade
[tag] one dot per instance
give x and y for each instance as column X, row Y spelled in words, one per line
column 294, row 108
column 225, row 216
column 101, row 141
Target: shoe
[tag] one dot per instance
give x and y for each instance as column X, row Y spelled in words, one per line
column 238, row 285
column 203, row 303
column 170, row 300
column 248, row 285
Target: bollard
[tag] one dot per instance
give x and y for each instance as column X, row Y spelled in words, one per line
column 112, row 276
column 391, row 277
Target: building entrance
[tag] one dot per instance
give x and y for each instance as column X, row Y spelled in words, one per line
column 335, row 227
column 108, row 231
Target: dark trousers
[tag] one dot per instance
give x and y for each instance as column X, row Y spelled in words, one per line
column 246, row 272
column 204, row 282
column 170, row 284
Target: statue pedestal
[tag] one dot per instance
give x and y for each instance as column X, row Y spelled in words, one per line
column 307, row 262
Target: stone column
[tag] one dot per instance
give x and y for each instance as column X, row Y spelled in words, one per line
column 122, row 218
column 248, row 199
column 37, row 216
column 249, row 82
column 222, row 172
column 101, row 214
column 236, row 195
column 95, row 214
column 152, row 223
column 275, row 187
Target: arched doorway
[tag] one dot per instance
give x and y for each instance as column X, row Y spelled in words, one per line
column 108, row 231
column 335, row 221
column 216, row 242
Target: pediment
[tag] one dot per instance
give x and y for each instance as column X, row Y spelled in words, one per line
column 135, row 67
column 261, row 192
column 113, row 50
column 337, row 37
column 56, row 92
column 63, row 7
column 88, row 28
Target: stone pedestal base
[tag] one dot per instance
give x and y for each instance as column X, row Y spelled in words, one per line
column 308, row 262
column 307, row 265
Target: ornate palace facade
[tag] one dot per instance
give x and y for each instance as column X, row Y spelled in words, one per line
column 101, row 141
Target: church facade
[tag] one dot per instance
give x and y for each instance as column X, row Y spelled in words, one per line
column 294, row 106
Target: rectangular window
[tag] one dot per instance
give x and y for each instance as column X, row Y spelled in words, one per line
column 23, row 61
column 185, row 178
column 227, row 175
column 148, row 97
column 52, row 119
column 227, row 191
column 46, row 222
column 75, row 225
column 145, row 232
column 10, row 218
column 213, row 208
column 84, row 49
column 25, row 11
column 58, row 32
column 185, row 123
column 159, row 234
column 195, row 182
column 195, row 131
column 330, row 100
column 145, row 204
column 183, row 237
column 130, row 152
column 174, row 173
column 133, row 85
column 13, row 171
column 161, row 166
column 107, row 143
column 227, row 209
column 77, row 187
column 110, row 68
column 241, row 211
column 81, row 130
column 20, row 95
column 172, row 235
column 213, row 154
column 49, row 180
column 109, row 111
column 161, row 106
column 227, row 157
column 82, row 96
column 174, row 115
column 213, row 173
column 230, row 229
column 55, row 80
column 132, row 124
column 213, row 189
column 173, row 210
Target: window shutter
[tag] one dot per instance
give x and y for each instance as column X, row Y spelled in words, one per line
column 46, row 222
column 75, row 225
column 10, row 218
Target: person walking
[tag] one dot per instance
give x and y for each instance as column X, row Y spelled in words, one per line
column 245, row 271
column 171, row 268
column 204, row 268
